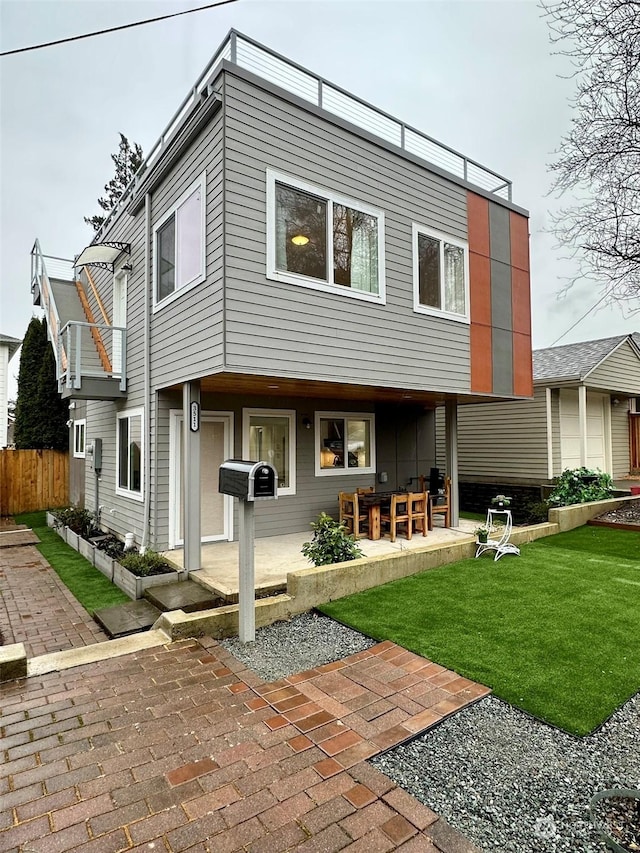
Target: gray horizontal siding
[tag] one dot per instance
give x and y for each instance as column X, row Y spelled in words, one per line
column 187, row 334
column 284, row 329
column 619, row 372
column 500, row 440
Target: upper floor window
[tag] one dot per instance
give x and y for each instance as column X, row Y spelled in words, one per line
column 179, row 245
column 344, row 443
column 129, row 454
column 440, row 275
column 269, row 436
column 79, row 435
column 324, row 241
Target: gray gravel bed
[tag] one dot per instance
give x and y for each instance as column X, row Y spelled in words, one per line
column 504, row 780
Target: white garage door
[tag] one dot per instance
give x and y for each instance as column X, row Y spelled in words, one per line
column 570, row 431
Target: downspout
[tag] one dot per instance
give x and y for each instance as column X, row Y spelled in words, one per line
column 146, row 516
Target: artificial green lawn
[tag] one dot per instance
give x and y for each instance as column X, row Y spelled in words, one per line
column 85, row 582
column 555, row 631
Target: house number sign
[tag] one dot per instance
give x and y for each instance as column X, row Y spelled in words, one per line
column 195, row 417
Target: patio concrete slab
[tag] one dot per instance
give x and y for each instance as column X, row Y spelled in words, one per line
column 276, row 556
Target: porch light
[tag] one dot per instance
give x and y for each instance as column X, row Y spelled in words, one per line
column 299, row 240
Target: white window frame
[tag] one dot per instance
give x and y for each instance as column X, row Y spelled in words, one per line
column 179, row 290
column 290, row 414
column 345, row 472
column 418, row 307
column 129, row 493
column 79, row 429
column 316, row 283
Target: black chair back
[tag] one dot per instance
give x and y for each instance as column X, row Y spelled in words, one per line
column 436, row 481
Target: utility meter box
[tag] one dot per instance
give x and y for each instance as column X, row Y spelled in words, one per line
column 249, row 481
column 94, row 453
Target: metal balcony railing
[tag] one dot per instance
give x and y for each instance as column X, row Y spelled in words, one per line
column 93, row 350
column 266, row 63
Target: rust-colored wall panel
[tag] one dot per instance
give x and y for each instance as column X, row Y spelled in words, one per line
column 481, row 361
column 480, row 288
column 522, row 365
column 519, row 240
column 520, row 301
column 478, row 224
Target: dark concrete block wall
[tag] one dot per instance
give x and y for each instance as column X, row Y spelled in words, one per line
column 476, row 497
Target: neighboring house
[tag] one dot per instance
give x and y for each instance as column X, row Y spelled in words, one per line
column 8, row 348
column 583, row 413
column 293, row 276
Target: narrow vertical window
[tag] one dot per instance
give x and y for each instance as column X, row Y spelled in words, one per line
column 440, row 272
column 130, row 454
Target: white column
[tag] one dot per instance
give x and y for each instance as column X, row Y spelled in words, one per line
column 191, row 474
column 451, row 453
column 582, row 419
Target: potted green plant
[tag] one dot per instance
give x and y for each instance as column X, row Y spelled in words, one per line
column 482, row 533
column 501, row 501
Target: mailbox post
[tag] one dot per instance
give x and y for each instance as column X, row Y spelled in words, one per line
column 249, row 482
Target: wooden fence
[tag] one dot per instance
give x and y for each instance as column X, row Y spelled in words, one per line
column 32, row 480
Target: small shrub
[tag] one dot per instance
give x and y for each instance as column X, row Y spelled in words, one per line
column 143, row 565
column 81, row 521
column 331, row 543
column 580, row 485
column 533, row 512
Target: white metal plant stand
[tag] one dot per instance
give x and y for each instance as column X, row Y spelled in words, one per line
column 502, row 545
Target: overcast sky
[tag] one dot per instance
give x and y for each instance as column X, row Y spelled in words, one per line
column 479, row 76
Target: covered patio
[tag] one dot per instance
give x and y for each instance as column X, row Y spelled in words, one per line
column 276, row 556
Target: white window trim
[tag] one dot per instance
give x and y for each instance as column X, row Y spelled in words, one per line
column 316, row 283
column 80, row 454
column 201, row 183
column 345, row 472
column 453, row 241
column 127, row 493
column 290, row 414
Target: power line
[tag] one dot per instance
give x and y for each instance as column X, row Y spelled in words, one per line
column 580, row 319
column 116, row 29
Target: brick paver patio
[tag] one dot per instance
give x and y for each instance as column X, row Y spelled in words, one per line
column 37, row 609
column 181, row 748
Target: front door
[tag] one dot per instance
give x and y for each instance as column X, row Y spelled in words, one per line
column 215, row 509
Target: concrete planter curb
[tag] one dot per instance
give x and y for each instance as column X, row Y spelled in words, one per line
column 72, row 538
column 104, row 563
column 87, row 550
column 135, row 587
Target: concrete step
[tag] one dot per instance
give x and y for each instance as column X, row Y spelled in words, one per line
column 125, row 619
column 183, row 595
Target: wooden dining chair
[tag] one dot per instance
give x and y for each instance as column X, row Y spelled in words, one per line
column 350, row 514
column 440, row 504
column 365, row 490
column 398, row 514
column 419, row 512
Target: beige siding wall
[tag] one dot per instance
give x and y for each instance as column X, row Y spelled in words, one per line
column 500, row 440
column 619, row 372
column 620, row 439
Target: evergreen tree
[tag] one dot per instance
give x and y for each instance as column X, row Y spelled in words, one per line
column 127, row 162
column 41, row 415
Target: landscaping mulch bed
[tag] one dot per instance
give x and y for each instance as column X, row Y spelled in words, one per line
column 626, row 517
column 619, row 817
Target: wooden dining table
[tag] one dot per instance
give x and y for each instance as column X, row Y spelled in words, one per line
column 373, row 502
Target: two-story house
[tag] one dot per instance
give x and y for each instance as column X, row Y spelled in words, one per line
column 293, row 276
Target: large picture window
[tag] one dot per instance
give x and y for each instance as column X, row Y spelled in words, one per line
column 129, row 454
column 320, row 240
column 344, row 443
column 269, row 436
column 179, row 245
column 440, row 275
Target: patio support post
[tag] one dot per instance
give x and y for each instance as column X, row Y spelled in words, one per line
column 582, row 419
column 451, row 454
column 247, row 572
column 191, row 474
